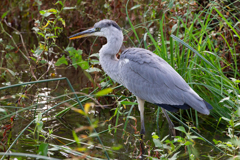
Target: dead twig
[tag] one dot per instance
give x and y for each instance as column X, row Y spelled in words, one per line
column 90, row 98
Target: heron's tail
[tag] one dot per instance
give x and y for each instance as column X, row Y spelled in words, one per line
column 200, row 107
column 174, row 108
column 208, row 105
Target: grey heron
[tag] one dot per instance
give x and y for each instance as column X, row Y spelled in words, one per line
column 145, row 74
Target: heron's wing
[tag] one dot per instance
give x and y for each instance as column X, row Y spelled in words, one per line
column 151, row 78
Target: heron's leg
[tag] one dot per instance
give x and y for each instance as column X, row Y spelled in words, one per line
column 142, row 132
column 141, row 109
column 170, row 123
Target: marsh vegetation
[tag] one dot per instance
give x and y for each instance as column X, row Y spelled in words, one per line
column 56, row 102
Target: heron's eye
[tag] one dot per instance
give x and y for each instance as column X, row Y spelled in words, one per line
column 97, row 29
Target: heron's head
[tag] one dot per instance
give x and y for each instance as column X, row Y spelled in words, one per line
column 104, row 28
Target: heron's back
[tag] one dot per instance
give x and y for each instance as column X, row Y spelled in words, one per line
column 151, row 78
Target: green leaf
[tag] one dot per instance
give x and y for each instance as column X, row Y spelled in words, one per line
column 3, row 110
column 164, row 138
column 9, row 47
column 216, row 142
column 11, row 72
column 75, row 137
column 128, row 103
column 8, row 71
column 52, row 10
column 174, row 157
column 51, row 36
column 170, row 5
column 136, row 6
column 224, row 99
column 94, row 61
column 237, row 124
column 229, row 145
column 188, row 143
column 41, row 34
column 4, row 14
column 226, row 119
column 43, row 61
column 237, row 81
column 38, row 51
column 174, row 27
column 83, row 64
column 193, row 137
column 7, row 55
column 155, row 136
column 39, row 126
column 94, row 55
column 63, row 22
column 157, row 143
column 66, row 8
column 61, row 61
column 79, row 52
column 39, row 117
column 106, row 5
column 37, row 22
column 116, row 148
column 71, row 49
column 94, row 135
column 36, row 29
column 76, row 58
column 45, row 13
column 43, row 149
column 39, row 3
column 59, row 2
column 74, row 63
column 93, row 69
column 104, row 92
column 181, row 128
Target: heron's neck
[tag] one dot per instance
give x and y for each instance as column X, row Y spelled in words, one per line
column 113, row 45
column 107, row 56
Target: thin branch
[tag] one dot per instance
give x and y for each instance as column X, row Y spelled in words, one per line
column 14, row 43
column 19, row 35
column 90, row 98
column 26, row 57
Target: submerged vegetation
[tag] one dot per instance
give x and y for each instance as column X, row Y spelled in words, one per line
column 87, row 115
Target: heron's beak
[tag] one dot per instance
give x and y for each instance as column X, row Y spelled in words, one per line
column 86, row 33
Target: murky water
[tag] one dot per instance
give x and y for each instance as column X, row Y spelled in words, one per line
column 63, row 126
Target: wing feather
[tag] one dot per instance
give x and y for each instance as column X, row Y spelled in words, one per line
column 151, row 78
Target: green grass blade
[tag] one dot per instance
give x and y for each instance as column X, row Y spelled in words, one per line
column 27, row 155
column 171, row 51
column 228, row 23
column 129, row 113
column 79, row 103
column 129, row 20
column 157, row 120
column 195, row 132
column 89, row 121
column 164, row 51
column 185, row 44
column 16, row 139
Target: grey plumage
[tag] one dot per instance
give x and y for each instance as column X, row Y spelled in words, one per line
column 145, row 74
column 106, row 23
column 151, row 78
